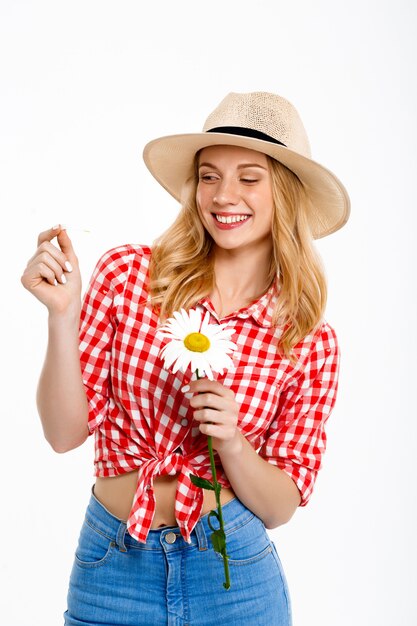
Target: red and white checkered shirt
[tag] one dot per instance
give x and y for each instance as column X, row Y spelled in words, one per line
column 141, row 419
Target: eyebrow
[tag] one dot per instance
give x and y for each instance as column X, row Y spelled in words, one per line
column 241, row 166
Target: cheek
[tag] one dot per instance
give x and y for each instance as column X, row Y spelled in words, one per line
column 268, row 198
column 267, row 202
column 201, row 197
column 204, row 199
column 199, row 200
column 198, row 197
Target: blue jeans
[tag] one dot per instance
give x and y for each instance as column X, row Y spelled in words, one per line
column 117, row 581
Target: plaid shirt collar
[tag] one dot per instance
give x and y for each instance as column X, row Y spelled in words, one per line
column 260, row 310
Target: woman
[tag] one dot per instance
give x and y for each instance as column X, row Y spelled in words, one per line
column 240, row 249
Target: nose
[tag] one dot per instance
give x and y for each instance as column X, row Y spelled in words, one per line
column 226, row 193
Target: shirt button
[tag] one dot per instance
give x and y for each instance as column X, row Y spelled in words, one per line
column 184, row 422
column 170, row 537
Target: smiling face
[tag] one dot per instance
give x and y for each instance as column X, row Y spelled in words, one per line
column 234, row 197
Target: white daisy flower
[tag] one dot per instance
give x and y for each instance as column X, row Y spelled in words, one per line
column 193, row 341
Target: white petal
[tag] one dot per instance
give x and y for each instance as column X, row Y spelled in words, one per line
column 179, row 324
column 168, row 330
column 181, row 363
column 215, row 332
column 172, row 349
column 205, row 323
column 201, row 364
column 197, row 362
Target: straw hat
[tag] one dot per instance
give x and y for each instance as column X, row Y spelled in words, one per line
column 260, row 121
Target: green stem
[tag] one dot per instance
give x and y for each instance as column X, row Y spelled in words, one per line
column 217, row 489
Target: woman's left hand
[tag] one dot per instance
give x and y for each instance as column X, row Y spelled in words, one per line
column 217, row 412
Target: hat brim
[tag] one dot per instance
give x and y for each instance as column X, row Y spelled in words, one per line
column 170, row 160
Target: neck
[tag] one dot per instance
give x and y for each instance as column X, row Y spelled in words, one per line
column 241, row 275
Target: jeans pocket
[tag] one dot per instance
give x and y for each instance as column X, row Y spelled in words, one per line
column 94, row 548
column 248, row 543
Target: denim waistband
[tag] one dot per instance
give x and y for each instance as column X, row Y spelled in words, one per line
column 235, row 515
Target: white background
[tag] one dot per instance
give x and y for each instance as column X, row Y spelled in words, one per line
column 84, row 85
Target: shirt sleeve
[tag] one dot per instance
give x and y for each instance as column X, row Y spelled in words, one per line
column 296, row 438
column 95, row 340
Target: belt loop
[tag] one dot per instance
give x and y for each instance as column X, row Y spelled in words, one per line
column 120, row 537
column 201, row 535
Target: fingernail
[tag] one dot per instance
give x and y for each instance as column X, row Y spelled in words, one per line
column 55, row 282
column 185, row 388
column 68, row 266
column 57, row 227
column 63, row 279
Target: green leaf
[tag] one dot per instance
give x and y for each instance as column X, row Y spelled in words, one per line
column 201, row 482
column 218, row 539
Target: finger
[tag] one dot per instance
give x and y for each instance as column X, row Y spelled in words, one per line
column 66, row 246
column 37, row 273
column 69, row 257
column 208, row 416
column 53, row 257
column 213, row 431
column 209, row 400
column 51, row 272
column 43, row 266
column 46, row 273
column 48, row 235
column 205, row 385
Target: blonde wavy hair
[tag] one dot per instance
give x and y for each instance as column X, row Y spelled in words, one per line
column 182, row 263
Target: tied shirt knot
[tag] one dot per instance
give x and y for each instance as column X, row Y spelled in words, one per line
column 188, row 501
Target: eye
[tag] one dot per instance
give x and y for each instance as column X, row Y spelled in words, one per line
column 208, row 178
column 249, row 180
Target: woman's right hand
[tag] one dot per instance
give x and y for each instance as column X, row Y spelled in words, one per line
column 53, row 275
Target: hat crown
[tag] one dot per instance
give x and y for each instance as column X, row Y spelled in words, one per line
column 264, row 112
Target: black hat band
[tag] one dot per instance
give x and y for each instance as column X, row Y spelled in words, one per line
column 245, row 132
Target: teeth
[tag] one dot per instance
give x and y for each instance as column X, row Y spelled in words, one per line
column 231, row 219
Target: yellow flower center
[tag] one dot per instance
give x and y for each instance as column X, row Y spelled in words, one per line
column 196, row 342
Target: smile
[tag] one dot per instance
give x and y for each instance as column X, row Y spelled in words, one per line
column 231, row 219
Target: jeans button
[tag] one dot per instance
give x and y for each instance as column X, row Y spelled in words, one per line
column 171, row 537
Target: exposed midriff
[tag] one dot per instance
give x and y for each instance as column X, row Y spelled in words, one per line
column 116, row 493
